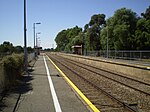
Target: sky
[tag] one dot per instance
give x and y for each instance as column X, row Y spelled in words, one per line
column 55, row 16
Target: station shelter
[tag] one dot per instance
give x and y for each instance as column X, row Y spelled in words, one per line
column 37, row 50
column 77, row 49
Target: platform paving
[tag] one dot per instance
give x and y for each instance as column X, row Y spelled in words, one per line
column 36, row 96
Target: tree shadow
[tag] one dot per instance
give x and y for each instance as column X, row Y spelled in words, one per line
column 2, row 100
column 23, row 86
column 2, row 105
column 30, row 70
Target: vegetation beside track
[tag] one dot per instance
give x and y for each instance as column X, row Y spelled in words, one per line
column 11, row 70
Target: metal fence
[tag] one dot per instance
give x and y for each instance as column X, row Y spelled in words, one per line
column 121, row 54
column 31, row 56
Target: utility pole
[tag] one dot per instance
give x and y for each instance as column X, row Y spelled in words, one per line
column 25, row 39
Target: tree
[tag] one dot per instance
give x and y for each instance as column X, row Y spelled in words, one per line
column 6, row 47
column 93, row 31
column 65, row 38
column 146, row 15
column 86, row 27
column 18, row 49
column 30, row 49
column 120, row 29
column 61, row 40
column 125, row 31
column 142, row 33
column 79, row 39
column 72, row 34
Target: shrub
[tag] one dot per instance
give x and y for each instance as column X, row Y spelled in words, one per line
column 13, row 66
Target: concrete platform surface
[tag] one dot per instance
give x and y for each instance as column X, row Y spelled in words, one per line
column 40, row 98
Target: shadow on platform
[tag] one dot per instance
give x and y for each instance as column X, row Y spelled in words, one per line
column 12, row 96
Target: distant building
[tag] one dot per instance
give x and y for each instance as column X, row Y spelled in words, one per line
column 77, row 49
column 38, row 49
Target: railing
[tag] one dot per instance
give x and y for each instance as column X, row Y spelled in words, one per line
column 121, row 54
column 31, row 56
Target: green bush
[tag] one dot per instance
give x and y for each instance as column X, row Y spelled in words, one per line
column 19, row 63
column 13, row 66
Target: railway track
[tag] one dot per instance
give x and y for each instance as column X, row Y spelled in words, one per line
column 135, row 84
column 99, row 91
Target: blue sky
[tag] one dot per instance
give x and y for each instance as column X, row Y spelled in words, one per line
column 55, row 15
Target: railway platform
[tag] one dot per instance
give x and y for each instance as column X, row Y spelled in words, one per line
column 46, row 90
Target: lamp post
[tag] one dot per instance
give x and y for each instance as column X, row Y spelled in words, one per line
column 34, row 24
column 37, row 38
column 37, row 48
column 25, row 38
column 85, row 44
column 107, row 42
column 38, row 42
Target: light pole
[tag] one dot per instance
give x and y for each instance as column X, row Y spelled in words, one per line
column 107, row 42
column 38, row 42
column 25, row 38
column 85, row 44
column 37, row 38
column 34, row 24
column 37, row 48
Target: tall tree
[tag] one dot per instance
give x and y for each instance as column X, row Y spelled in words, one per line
column 146, row 14
column 65, row 37
column 72, row 34
column 142, row 33
column 6, row 47
column 125, row 31
column 18, row 49
column 120, row 30
column 93, row 31
column 61, row 40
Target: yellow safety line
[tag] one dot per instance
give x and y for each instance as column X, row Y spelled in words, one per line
column 76, row 89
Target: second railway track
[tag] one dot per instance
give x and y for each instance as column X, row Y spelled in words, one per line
column 133, row 83
column 127, row 96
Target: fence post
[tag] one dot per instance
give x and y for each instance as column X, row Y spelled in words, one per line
column 115, row 54
column 140, row 55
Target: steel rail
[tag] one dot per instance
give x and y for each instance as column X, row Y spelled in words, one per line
column 102, row 90
column 147, row 93
column 111, row 72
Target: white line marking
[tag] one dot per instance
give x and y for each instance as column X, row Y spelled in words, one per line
column 54, row 96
